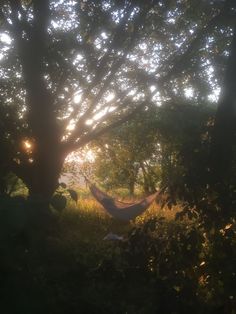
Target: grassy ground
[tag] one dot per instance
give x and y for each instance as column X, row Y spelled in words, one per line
column 84, row 225
column 91, row 222
column 162, row 266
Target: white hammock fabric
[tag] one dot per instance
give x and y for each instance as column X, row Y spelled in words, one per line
column 121, row 210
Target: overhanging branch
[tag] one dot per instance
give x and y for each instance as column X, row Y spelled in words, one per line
column 69, row 147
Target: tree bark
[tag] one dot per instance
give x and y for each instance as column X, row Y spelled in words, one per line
column 42, row 173
column 223, row 140
column 44, row 177
column 131, row 187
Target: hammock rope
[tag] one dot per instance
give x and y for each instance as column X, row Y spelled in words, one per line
column 118, row 209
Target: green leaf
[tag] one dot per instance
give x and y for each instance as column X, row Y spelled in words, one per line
column 73, row 195
column 26, row 2
column 58, row 202
column 63, row 185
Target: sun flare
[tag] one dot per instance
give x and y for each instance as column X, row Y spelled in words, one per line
column 27, row 145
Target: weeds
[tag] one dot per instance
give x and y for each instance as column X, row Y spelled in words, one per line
column 162, row 266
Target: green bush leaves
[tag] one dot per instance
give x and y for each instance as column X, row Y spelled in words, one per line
column 73, row 195
column 59, row 199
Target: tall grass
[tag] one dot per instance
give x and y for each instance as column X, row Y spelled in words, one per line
column 72, row 269
column 83, row 226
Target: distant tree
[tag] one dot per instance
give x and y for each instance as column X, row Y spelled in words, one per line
column 129, row 155
column 71, row 71
column 184, row 135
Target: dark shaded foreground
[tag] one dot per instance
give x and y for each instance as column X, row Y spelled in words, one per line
column 161, row 267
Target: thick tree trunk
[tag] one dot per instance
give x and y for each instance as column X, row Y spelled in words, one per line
column 225, row 121
column 44, row 182
column 44, row 175
column 223, row 141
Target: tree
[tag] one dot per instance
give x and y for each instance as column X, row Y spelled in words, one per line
column 184, row 135
column 209, row 181
column 62, row 62
column 223, row 148
column 129, row 155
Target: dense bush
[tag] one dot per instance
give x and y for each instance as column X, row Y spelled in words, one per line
column 162, row 266
column 172, row 267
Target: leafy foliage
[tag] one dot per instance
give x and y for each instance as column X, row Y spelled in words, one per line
column 59, row 199
column 73, row 195
column 129, row 155
column 93, row 66
column 172, row 266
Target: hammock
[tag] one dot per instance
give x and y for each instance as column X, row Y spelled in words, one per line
column 118, row 209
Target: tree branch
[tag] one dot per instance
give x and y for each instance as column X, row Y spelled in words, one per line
column 115, row 67
column 69, row 147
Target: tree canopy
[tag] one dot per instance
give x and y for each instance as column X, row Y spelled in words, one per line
column 71, row 71
column 149, row 87
column 128, row 155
